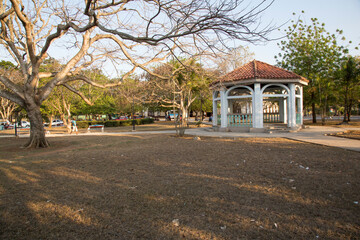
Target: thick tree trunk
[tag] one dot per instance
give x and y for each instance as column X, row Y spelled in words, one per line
column 184, row 118
column 37, row 131
column 313, row 108
column 323, row 115
column 349, row 110
column 345, row 120
column 68, row 124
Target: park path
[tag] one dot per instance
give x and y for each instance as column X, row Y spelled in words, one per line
column 312, row 134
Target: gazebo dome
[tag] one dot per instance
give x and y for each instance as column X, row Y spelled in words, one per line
column 257, row 71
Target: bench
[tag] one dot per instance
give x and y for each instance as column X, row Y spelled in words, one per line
column 27, row 131
column 23, row 131
column 96, row 127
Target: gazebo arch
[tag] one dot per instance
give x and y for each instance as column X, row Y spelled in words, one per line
column 250, row 111
column 279, row 114
column 240, row 107
column 239, row 86
column 274, row 84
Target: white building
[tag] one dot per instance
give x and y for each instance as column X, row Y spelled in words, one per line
column 257, row 94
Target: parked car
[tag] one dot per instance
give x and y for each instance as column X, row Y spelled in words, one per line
column 55, row 123
column 23, row 124
column 4, row 124
column 122, row 118
column 171, row 115
column 9, row 126
column 137, row 117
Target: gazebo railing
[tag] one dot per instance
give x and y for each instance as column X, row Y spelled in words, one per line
column 272, row 118
column 298, row 118
column 240, row 120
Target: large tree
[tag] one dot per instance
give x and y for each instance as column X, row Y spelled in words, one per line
column 183, row 83
column 315, row 54
column 86, row 32
column 348, row 78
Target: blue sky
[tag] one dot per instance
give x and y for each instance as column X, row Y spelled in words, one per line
column 336, row 14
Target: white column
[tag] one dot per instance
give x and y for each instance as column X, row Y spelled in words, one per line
column 214, row 112
column 292, row 107
column 281, row 109
column 258, row 121
column 285, row 110
column 224, row 108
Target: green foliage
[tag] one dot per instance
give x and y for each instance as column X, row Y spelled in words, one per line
column 184, row 82
column 315, row 54
column 7, row 65
column 348, row 85
column 206, row 104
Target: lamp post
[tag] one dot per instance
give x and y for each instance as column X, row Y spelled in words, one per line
column 201, row 111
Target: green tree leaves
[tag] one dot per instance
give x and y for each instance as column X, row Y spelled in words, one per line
column 315, row 54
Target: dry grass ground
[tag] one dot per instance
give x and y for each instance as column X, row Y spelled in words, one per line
column 334, row 123
column 165, row 187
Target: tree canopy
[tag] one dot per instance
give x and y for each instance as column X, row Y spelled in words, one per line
column 186, row 80
column 348, row 85
column 315, row 54
column 90, row 32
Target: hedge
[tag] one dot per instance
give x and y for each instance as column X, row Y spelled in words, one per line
column 114, row 123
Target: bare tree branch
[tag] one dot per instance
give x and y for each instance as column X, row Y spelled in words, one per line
column 12, row 97
column 78, row 93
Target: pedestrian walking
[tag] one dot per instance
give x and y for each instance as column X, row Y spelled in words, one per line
column 74, row 127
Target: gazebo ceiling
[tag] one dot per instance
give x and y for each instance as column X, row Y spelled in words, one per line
column 257, row 71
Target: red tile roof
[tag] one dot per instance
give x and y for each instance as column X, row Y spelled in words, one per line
column 258, row 70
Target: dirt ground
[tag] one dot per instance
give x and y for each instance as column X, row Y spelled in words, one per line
column 353, row 134
column 166, row 187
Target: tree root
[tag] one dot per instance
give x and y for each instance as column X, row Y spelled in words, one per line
column 36, row 142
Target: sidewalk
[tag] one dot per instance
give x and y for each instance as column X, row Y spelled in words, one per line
column 313, row 134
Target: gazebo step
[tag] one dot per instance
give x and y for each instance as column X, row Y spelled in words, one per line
column 278, row 131
column 281, row 129
column 210, row 129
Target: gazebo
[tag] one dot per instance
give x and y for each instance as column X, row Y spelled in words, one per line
column 255, row 95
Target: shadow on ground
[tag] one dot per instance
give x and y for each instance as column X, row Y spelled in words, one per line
column 164, row 187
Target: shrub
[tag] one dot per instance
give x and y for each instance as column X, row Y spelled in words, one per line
column 115, row 123
column 111, row 123
column 82, row 124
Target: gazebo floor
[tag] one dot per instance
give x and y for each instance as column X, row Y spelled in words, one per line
column 268, row 128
